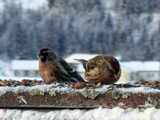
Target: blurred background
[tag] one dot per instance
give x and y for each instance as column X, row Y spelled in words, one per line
column 126, row 29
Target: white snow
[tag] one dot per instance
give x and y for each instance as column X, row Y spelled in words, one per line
column 28, row 4
column 34, row 89
column 94, row 114
column 59, row 88
column 141, row 66
column 33, row 4
column 24, row 64
column 139, row 90
column 19, row 78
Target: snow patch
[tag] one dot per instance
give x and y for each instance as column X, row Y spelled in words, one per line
column 94, row 114
column 28, row 4
column 92, row 93
column 139, row 90
column 35, row 89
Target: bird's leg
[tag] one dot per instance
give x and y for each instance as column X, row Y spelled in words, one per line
column 98, row 84
column 78, row 85
column 112, row 86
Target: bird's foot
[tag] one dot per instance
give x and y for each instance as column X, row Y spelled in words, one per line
column 98, row 84
column 78, row 85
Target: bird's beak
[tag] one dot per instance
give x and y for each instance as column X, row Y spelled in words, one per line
column 78, row 60
column 81, row 60
column 38, row 57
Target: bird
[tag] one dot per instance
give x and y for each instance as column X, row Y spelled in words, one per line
column 53, row 68
column 101, row 69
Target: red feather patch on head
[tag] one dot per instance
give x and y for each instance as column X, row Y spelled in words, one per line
column 44, row 49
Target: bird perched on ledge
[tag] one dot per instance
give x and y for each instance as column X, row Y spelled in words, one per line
column 101, row 69
column 53, row 68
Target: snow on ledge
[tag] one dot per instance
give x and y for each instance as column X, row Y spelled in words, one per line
column 139, row 90
column 52, row 89
column 76, row 114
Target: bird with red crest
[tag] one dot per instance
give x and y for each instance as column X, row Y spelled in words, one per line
column 53, row 68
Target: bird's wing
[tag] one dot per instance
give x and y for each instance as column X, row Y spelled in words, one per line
column 66, row 66
column 69, row 70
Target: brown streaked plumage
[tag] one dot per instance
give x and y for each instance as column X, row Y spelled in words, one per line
column 102, row 69
column 47, row 71
column 53, row 68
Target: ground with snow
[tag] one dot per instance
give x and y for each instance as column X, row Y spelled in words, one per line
column 94, row 114
column 27, row 4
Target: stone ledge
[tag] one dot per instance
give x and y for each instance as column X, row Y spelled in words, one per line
column 57, row 95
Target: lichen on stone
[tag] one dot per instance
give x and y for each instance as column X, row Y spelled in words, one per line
column 52, row 93
column 93, row 93
column 126, row 95
column 36, row 92
column 89, row 93
column 116, row 95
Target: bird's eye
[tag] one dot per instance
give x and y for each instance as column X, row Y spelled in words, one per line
column 92, row 67
column 44, row 52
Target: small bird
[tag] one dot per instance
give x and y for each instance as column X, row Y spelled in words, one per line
column 101, row 69
column 53, row 68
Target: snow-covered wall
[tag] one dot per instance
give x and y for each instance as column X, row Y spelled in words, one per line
column 64, row 96
column 94, row 114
